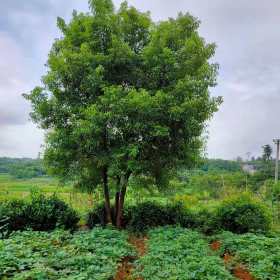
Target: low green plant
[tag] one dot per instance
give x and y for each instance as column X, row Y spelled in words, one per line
column 177, row 253
column 60, row 255
column 258, row 252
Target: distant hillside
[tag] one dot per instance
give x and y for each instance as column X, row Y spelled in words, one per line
column 22, row 167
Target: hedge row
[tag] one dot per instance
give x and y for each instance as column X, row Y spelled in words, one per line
column 239, row 214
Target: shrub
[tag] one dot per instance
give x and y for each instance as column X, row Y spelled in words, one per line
column 45, row 213
column 41, row 213
column 150, row 214
column 14, row 213
column 206, row 221
column 242, row 214
column 145, row 215
column 97, row 216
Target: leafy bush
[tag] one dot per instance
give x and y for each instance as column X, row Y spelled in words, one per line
column 97, row 216
column 45, row 213
column 206, row 221
column 15, row 213
column 145, row 215
column 41, row 213
column 242, row 214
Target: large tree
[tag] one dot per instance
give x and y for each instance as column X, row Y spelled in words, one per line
column 124, row 96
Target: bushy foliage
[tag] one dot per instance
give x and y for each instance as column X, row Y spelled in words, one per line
column 150, row 214
column 143, row 216
column 14, row 213
column 41, row 213
column 177, row 253
column 97, row 216
column 59, row 255
column 242, row 213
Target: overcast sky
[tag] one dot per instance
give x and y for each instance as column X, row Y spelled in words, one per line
column 248, row 37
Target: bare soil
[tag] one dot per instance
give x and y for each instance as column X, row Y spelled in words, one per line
column 126, row 266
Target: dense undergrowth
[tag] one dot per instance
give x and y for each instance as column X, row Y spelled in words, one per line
column 60, row 255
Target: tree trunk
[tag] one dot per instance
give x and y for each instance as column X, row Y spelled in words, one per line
column 106, row 195
column 117, row 199
column 122, row 193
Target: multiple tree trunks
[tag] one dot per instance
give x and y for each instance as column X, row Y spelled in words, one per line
column 119, row 199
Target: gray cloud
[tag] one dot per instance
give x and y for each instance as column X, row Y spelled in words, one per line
column 248, row 37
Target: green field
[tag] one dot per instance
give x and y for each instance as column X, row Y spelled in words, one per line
column 102, row 254
column 11, row 188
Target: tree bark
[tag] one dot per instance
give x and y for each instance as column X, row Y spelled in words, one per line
column 106, row 195
column 117, row 199
column 122, row 193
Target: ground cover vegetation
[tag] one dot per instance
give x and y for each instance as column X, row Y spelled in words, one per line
column 60, row 255
column 259, row 253
column 176, row 253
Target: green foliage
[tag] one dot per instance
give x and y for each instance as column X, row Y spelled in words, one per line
column 243, row 213
column 206, row 221
column 41, row 213
column 97, row 216
column 176, row 253
column 125, row 95
column 14, row 210
column 45, row 213
column 258, row 252
column 60, row 255
column 4, row 224
column 148, row 215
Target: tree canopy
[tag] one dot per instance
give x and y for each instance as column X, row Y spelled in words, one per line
column 124, row 96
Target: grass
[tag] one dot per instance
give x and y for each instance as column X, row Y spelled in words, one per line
column 11, row 188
